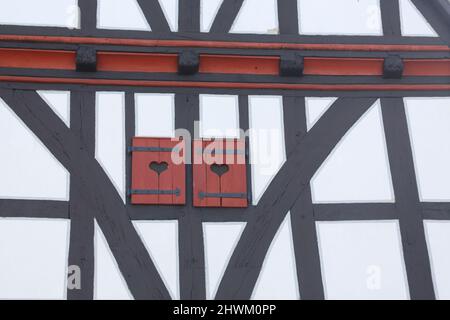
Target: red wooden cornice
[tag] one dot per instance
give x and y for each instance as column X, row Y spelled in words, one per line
column 133, row 62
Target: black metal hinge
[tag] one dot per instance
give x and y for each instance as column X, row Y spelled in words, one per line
column 203, row 195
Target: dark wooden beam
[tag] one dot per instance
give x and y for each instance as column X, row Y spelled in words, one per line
column 303, row 223
column 88, row 16
column 81, row 248
column 354, row 211
column 390, row 17
column 189, row 16
column 292, row 179
column 47, row 209
column 131, row 255
column 155, row 15
column 226, row 15
column 408, row 207
column 191, row 245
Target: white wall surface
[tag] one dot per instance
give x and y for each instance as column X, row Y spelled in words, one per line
column 51, row 13
column 438, row 240
column 278, row 277
column 33, row 255
column 109, row 283
column 110, row 137
column 209, row 9
column 257, row 16
column 413, row 22
column 161, row 240
column 155, row 114
column 219, row 116
column 170, row 10
column 315, row 109
column 28, row 170
column 220, row 240
column 267, row 148
column 343, row 17
column 59, row 101
column 357, row 170
column 429, row 128
column 121, row 14
column 362, row 260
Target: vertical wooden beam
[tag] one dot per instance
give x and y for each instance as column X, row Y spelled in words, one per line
column 189, row 15
column 390, row 16
column 88, row 16
column 288, row 16
column 190, row 236
column 407, row 202
column 303, row 224
column 81, row 248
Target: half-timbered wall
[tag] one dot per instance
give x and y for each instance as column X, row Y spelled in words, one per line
column 348, row 171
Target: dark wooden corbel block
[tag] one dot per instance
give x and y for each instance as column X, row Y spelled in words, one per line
column 86, row 60
column 188, row 62
column 393, row 67
column 291, row 65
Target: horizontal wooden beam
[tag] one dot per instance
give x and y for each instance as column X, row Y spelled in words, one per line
column 218, row 63
column 37, row 59
column 228, row 85
column 234, row 64
column 22, row 208
column 221, row 44
column 136, row 62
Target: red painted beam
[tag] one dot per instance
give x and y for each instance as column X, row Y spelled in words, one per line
column 37, row 59
column 257, row 65
column 222, row 44
column 225, row 64
column 136, row 62
column 427, row 67
column 343, row 66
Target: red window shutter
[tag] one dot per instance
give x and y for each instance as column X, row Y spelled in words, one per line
column 235, row 180
column 219, row 172
column 156, row 178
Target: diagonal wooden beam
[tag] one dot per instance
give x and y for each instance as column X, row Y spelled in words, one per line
column 304, row 235
column 226, row 15
column 155, row 15
column 437, row 14
column 127, row 247
column 284, row 190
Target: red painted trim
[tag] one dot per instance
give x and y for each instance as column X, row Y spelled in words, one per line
column 343, row 66
column 229, row 85
column 229, row 64
column 427, row 67
column 136, row 62
column 37, row 59
column 226, row 64
column 222, row 44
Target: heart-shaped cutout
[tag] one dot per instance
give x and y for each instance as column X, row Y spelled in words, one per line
column 158, row 167
column 219, row 169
